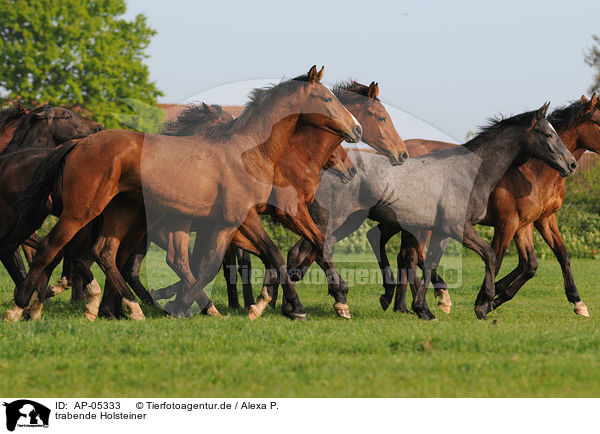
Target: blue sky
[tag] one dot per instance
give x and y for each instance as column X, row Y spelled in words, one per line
column 451, row 64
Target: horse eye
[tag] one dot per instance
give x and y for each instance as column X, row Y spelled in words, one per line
column 68, row 116
column 547, row 135
column 326, row 98
column 380, row 118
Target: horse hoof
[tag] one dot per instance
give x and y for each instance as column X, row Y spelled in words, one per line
column 384, row 302
column 212, row 311
column 403, row 309
column 13, row 315
column 481, row 312
column 254, row 313
column 426, row 315
column 342, row 310
column 298, row 317
column 444, row 302
column 581, row 309
column 134, row 310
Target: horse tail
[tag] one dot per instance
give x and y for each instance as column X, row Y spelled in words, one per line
column 43, row 181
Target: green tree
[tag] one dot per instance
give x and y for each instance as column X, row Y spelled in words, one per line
column 75, row 53
column 592, row 58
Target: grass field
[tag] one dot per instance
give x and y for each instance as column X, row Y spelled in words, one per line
column 532, row 346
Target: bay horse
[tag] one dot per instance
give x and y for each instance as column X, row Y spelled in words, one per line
column 445, row 192
column 527, row 196
column 378, row 132
column 297, row 178
column 234, row 166
column 193, row 121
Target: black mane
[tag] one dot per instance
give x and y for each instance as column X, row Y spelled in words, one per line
column 563, row 118
column 11, row 113
column 497, row 124
column 260, row 101
column 191, row 120
column 23, row 128
column 350, row 90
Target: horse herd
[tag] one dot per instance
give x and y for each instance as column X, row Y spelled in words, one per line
column 114, row 192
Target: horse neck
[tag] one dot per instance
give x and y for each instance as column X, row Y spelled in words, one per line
column 314, row 146
column 497, row 155
column 270, row 135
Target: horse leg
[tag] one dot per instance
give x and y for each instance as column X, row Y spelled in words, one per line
column 254, row 231
column 525, row 270
column 439, row 285
column 245, row 272
column 337, row 287
column 15, row 267
column 472, row 240
column 51, row 246
column 36, row 303
column 230, row 275
column 211, row 249
column 120, row 217
column 407, row 271
column 131, row 272
column 548, row 228
column 82, row 263
column 434, row 255
column 299, row 258
column 378, row 236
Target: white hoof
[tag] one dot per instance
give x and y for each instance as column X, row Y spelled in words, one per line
column 93, row 293
column 134, row 310
column 581, row 309
column 14, row 314
column 444, row 302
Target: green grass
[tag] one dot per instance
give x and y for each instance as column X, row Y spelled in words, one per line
column 532, row 346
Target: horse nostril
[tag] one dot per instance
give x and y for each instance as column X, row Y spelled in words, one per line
column 574, row 165
column 353, row 171
column 358, row 131
column 404, row 156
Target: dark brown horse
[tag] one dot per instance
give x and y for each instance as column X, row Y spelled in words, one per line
column 527, row 196
column 10, row 116
column 22, row 129
column 233, row 164
column 47, row 126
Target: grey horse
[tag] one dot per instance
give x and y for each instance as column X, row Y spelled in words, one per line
column 445, row 192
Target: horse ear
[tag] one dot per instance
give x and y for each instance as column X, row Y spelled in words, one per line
column 541, row 113
column 313, row 74
column 591, row 103
column 320, row 74
column 207, row 108
column 44, row 114
column 583, row 99
column 373, row 90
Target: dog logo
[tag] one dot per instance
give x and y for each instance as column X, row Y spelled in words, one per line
column 26, row 413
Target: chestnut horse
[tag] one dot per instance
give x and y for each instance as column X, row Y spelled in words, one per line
column 234, row 166
column 527, row 196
